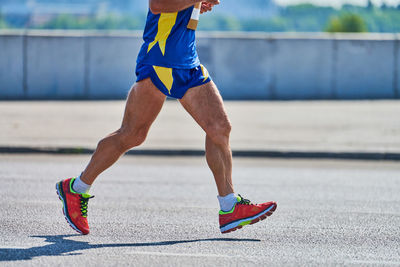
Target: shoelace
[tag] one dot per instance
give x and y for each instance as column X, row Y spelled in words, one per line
column 84, row 205
column 244, row 201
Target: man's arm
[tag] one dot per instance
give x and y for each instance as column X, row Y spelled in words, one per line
column 169, row 6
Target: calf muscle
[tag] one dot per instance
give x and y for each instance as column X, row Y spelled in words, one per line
column 142, row 107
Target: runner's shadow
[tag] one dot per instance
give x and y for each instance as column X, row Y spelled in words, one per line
column 59, row 246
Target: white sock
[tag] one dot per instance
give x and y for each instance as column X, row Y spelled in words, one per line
column 80, row 187
column 227, row 202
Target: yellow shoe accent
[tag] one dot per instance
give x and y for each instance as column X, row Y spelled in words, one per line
column 165, row 24
column 165, row 75
column 205, row 72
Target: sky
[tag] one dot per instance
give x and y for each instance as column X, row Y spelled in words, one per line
column 337, row 3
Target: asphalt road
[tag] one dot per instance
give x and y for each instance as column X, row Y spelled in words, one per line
column 162, row 211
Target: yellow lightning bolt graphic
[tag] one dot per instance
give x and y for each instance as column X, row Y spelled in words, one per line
column 165, row 24
column 205, row 72
column 165, row 75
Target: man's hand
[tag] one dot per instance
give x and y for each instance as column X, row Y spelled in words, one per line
column 207, row 5
column 213, row 2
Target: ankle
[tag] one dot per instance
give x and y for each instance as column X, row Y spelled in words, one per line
column 227, row 202
column 80, row 187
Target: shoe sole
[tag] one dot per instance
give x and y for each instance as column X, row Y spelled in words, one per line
column 252, row 220
column 60, row 194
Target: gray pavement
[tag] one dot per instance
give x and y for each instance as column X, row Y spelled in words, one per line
column 162, row 211
column 322, row 126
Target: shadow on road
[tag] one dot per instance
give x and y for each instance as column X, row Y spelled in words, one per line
column 63, row 247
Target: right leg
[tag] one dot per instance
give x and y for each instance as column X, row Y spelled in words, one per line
column 142, row 107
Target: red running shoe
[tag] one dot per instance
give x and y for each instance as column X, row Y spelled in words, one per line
column 244, row 213
column 74, row 206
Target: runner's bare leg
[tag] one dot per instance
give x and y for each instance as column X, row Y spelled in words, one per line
column 204, row 104
column 142, row 107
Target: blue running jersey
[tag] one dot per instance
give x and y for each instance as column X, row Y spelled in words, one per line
column 168, row 42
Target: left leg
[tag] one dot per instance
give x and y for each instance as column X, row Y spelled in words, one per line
column 204, row 103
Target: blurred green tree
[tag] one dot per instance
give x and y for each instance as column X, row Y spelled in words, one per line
column 370, row 5
column 220, row 23
column 275, row 24
column 108, row 22
column 297, row 18
column 347, row 23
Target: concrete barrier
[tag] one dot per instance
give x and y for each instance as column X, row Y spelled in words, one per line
column 55, row 66
column 365, row 69
column 302, row 69
column 111, row 67
column 99, row 65
column 242, row 68
column 11, row 66
column 396, row 85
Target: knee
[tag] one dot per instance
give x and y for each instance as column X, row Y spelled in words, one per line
column 132, row 138
column 219, row 132
column 125, row 139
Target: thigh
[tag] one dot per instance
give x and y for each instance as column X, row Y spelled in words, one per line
column 204, row 103
column 143, row 105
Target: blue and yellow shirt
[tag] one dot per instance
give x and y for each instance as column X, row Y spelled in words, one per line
column 168, row 42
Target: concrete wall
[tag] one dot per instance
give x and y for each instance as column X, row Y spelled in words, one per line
column 11, row 66
column 365, row 69
column 111, row 65
column 55, row 67
column 93, row 65
column 302, row 69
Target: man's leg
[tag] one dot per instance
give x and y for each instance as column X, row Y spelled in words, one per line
column 142, row 107
column 204, row 103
